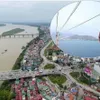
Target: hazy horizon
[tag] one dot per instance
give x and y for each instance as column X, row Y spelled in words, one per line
column 29, row 11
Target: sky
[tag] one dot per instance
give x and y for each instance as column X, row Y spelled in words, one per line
column 29, row 11
column 86, row 10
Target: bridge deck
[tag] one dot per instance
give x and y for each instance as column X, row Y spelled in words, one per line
column 19, row 35
column 19, row 74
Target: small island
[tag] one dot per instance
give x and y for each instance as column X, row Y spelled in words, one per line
column 12, row 32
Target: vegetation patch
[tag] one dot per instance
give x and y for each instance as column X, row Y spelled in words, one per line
column 5, row 95
column 41, row 78
column 81, row 78
column 75, row 74
column 5, row 90
column 82, row 65
column 46, row 50
column 17, row 64
column 12, row 32
column 57, row 79
column 49, row 66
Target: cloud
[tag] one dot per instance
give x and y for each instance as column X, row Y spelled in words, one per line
column 29, row 11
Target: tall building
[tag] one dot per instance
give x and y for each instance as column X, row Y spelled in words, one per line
column 96, row 71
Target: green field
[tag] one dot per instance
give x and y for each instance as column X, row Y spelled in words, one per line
column 57, row 79
column 80, row 78
column 12, row 32
column 75, row 74
column 46, row 50
column 49, row 66
column 2, row 25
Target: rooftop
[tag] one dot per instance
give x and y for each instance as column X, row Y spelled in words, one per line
column 54, row 47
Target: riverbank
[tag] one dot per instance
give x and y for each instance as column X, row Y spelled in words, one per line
column 11, row 53
column 27, row 29
column 10, row 48
column 7, row 84
column 14, row 48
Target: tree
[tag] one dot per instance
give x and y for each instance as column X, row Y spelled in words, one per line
column 73, row 84
column 11, row 96
column 4, row 94
column 82, row 65
column 60, row 85
column 65, row 87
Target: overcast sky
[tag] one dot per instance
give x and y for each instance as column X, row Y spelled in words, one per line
column 32, row 11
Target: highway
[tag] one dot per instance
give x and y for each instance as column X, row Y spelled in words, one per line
column 66, row 71
column 7, row 75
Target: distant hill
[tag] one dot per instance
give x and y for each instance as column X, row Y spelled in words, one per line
column 83, row 37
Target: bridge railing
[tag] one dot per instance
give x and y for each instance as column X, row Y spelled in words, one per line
column 15, row 74
column 19, row 74
column 19, row 35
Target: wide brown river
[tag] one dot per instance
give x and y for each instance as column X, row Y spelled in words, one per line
column 13, row 46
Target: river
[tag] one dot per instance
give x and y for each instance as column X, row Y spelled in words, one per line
column 13, row 45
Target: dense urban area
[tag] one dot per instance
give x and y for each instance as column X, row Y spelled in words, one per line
column 58, row 76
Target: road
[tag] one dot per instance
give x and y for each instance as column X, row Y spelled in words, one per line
column 65, row 70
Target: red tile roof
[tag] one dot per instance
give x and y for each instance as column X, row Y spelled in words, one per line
column 89, row 98
column 54, row 47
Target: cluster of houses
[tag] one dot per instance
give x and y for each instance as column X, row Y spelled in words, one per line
column 33, row 89
column 32, row 58
column 37, row 89
column 91, row 68
column 58, row 55
column 26, row 90
column 93, row 72
column 78, row 93
column 45, row 29
column 47, row 90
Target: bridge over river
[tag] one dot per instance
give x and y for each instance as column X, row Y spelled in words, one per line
column 14, row 74
column 19, row 35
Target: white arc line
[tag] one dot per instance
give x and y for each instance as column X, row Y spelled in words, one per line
column 84, row 22
column 71, row 14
